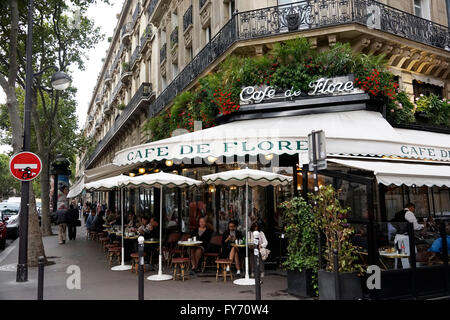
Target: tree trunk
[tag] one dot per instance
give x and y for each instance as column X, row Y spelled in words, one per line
column 35, row 245
column 46, row 226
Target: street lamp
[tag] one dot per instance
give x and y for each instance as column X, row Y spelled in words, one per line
column 59, row 81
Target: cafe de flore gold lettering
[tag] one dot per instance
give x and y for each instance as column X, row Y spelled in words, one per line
column 225, row 148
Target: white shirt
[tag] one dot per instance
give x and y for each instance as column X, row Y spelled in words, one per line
column 262, row 239
column 410, row 217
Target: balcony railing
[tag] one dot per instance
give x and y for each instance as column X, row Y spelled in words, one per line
column 151, row 7
column 142, row 94
column 163, row 53
column 135, row 56
column 147, row 33
column 187, row 18
column 126, row 31
column 295, row 17
column 136, row 13
column 174, row 37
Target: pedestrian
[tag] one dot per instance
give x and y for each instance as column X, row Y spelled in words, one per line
column 263, row 251
column 90, row 220
column 61, row 221
column 72, row 220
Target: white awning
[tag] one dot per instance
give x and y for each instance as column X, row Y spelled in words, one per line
column 347, row 133
column 105, row 171
column 76, row 189
column 397, row 173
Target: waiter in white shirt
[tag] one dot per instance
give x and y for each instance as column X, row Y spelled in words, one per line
column 410, row 217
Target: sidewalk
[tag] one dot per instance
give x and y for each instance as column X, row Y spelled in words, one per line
column 99, row 282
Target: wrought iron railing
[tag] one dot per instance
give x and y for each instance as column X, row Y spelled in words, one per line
column 295, row 17
column 174, row 37
column 187, row 18
column 135, row 55
column 151, row 7
column 136, row 13
column 147, row 33
column 202, row 3
column 126, row 29
column 163, row 52
column 143, row 93
column 107, row 76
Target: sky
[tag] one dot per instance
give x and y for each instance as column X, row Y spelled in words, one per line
column 104, row 16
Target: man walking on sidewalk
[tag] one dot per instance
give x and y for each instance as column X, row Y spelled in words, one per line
column 61, row 220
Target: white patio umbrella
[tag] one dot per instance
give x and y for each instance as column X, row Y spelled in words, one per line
column 106, row 185
column 160, row 180
column 247, row 177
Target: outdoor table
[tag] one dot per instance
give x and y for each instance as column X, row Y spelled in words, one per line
column 242, row 246
column 189, row 244
column 393, row 255
column 129, row 244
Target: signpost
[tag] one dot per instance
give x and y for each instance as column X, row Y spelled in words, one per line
column 25, row 166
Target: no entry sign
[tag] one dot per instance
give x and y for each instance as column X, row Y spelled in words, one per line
column 25, row 166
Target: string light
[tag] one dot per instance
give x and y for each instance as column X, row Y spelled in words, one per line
column 141, row 170
column 131, row 174
column 169, row 163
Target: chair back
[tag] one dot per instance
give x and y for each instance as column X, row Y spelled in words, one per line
column 173, row 237
column 216, row 240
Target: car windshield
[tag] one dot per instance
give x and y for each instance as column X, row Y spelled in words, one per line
column 9, row 212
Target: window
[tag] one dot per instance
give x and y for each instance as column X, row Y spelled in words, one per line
column 208, row 34
column 426, row 89
column 422, row 9
column 418, row 8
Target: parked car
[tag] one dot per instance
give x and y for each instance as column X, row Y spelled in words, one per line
column 10, row 214
column 2, row 233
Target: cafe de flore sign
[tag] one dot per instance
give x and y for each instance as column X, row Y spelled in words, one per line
column 283, row 135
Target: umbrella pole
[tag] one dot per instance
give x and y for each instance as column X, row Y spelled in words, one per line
column 160, row 230
column 246, row 281
column 246, row 230
column 160, row 276
column 122, row 266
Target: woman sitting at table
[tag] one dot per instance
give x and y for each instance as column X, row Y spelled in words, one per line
column 132, row 222
column 228, row 251
column 202, row 233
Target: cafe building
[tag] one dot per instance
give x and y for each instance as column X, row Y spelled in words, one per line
column 376, row 165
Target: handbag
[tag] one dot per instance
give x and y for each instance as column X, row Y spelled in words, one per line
column 264, row 253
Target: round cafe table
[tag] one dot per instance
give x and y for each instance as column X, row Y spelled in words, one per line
column 241, row 246
column 189, row 244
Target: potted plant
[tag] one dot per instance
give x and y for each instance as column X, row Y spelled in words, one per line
column 121, row 106
column 125, row 66
column 302, row 255
column 330, row 218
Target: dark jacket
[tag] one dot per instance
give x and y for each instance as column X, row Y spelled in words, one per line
column 72, row 215
column 205, row 237
column 226, row 234
column 152, row 234
column 98, row 223
column 62, row 216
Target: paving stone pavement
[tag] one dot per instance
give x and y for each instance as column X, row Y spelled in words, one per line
column 99, row 282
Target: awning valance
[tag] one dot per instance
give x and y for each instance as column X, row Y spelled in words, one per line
column 77, row 188
column 347, row 133
column 398, row 173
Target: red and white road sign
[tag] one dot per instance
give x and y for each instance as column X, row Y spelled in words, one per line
column 25, row 166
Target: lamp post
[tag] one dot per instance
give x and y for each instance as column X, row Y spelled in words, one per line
column 59, row 82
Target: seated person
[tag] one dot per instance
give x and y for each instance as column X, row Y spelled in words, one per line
column 152, row 229
column 144, row 227
column 131, row 222
column 152, row 232
column 437, row 249
column 202, row 233
column 110, row 216
column 228, row 251
column 99, row 222
column 360, row 239
column 90, row 220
